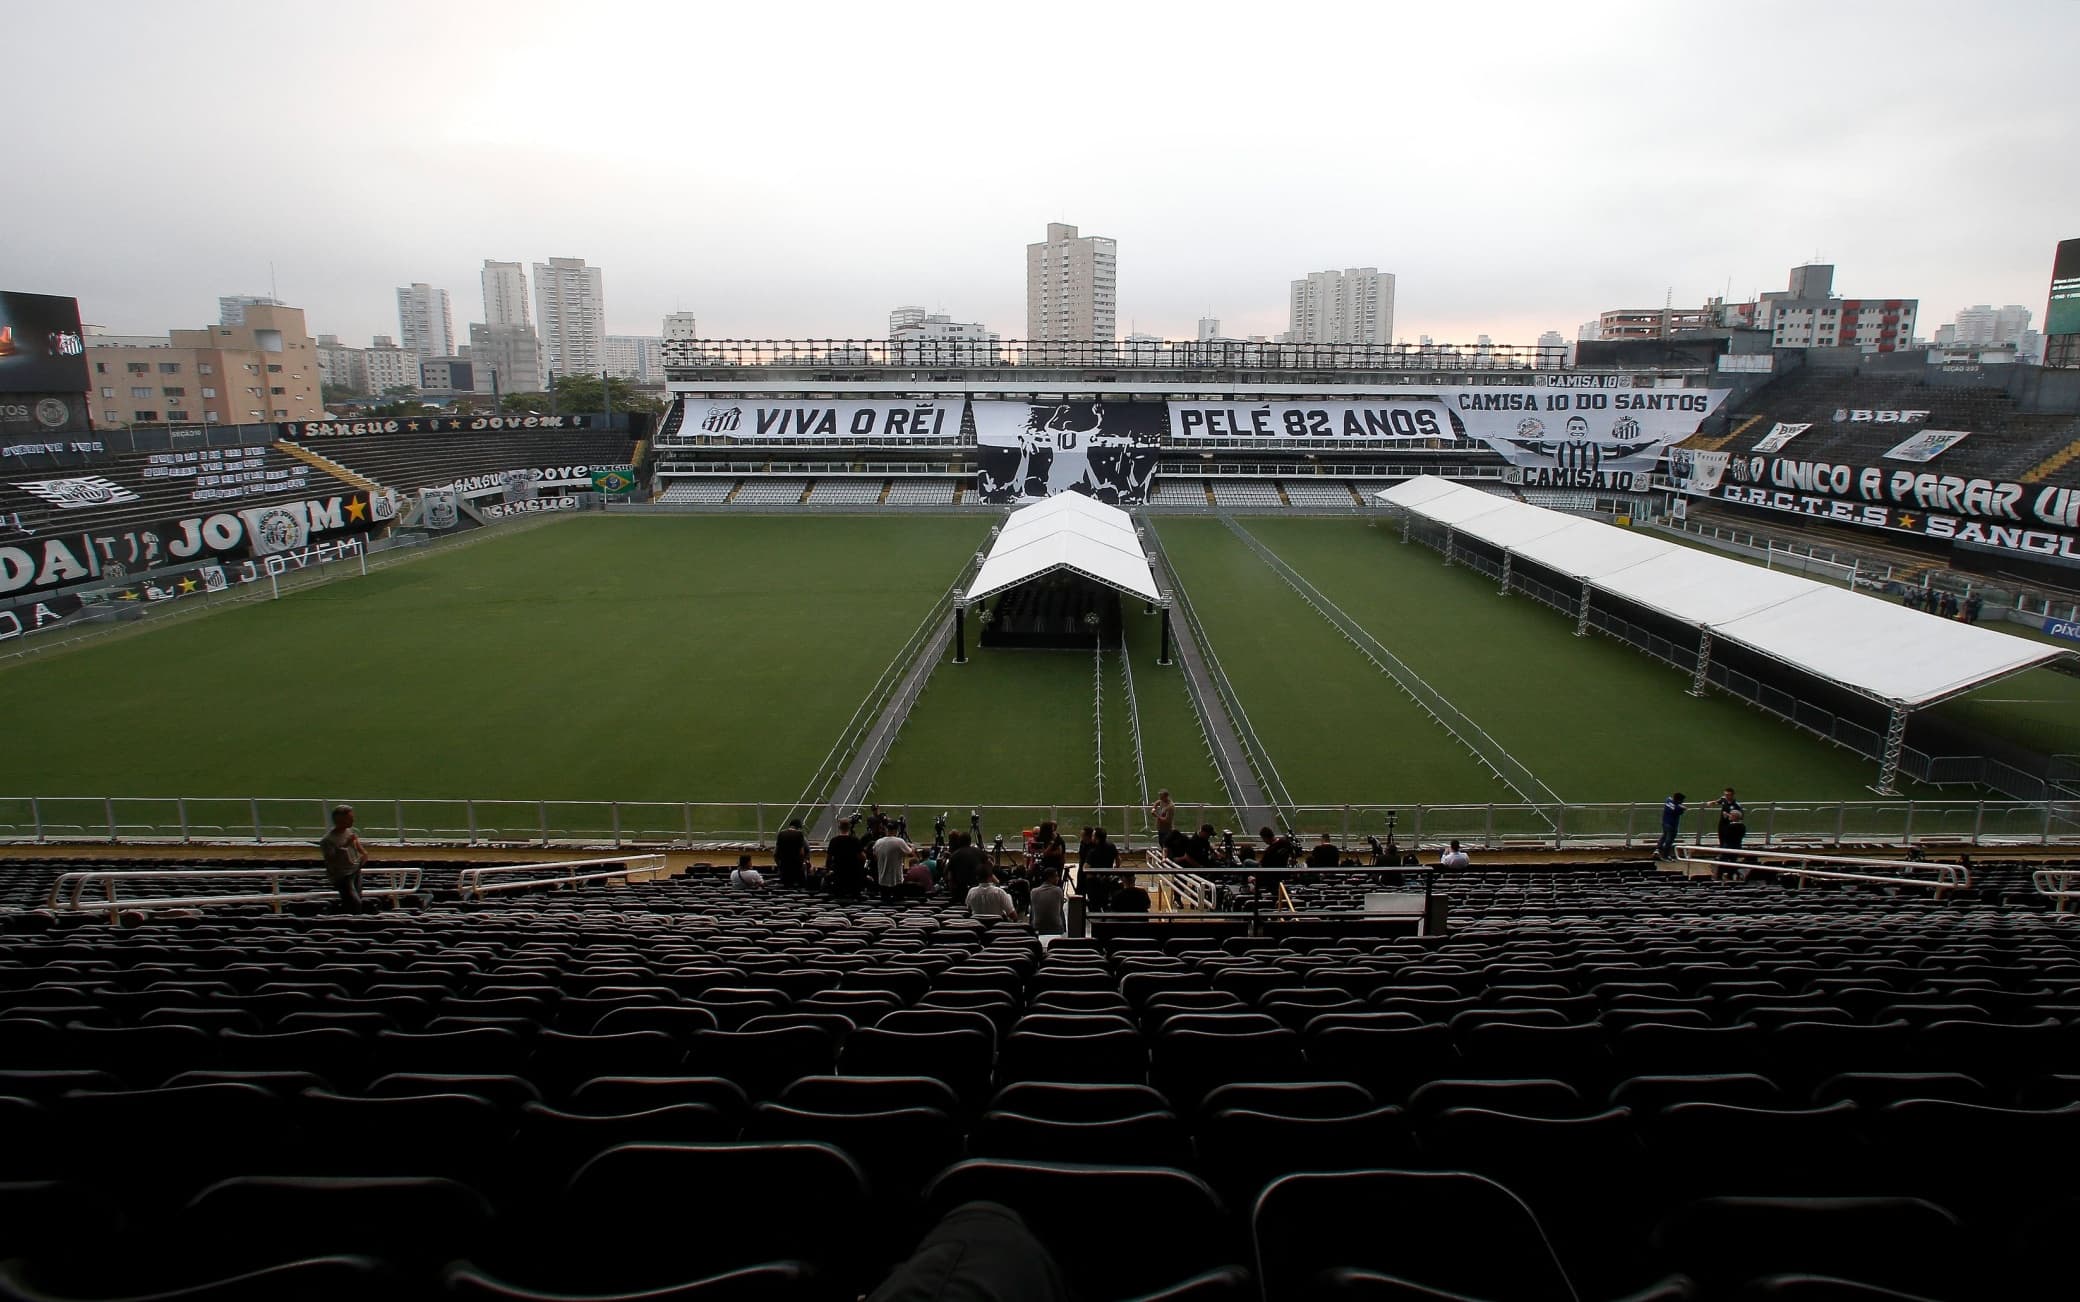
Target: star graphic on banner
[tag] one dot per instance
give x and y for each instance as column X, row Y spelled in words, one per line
column 356, row 508
column 127, row 596
column 188, row 586
column 412, row 425
column 1908, row 520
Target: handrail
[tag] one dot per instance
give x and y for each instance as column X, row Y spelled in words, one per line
column 2059, row 884
column 67, row 893
column 1945, row 876
column 470, row 881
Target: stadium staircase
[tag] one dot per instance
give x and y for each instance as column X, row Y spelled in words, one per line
column 1714, row 442
column 2054, row 463
column 318, row 461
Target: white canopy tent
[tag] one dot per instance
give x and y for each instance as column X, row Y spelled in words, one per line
column 1068, row 531
column 1905, row 659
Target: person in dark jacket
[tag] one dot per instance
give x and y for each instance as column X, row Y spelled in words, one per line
column 844, row 862
column 791, row 854
column 1325, row 854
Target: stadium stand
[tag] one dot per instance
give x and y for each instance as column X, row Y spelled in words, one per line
column 771, row 491
column 1246, row 492
column 411, row 461
column 1310, row 492
column 707, row 491
column 162, row 495
column 863, row 491
column 1604, row 1077
column 1177, row 492
column 2005, row 442
column 922, row 492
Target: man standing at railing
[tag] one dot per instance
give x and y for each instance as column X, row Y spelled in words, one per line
column 1671, row 823
column 344, row 858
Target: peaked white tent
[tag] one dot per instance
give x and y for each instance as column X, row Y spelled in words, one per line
column 1904, row 659
column 1065, row 532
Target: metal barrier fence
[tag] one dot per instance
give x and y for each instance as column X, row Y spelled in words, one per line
column 300, row 821
column 697, row 354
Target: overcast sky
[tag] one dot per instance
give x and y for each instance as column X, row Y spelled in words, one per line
column 796, row 170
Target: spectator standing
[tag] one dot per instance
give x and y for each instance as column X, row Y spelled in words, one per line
column 844, row 869
column 344, row 858
column 989, row 900
column 1454, row 858
column 745, row 877
column 1973, row 605
column 966, row 866
column 1083, row 849
column 1164, row 812
column 1279, row 851
column 1672, row 810
column 1201, row 847
column 1094, row 879
column 1129, row 898
column 891, row 857
column 1049, row 916
column 791, row 854
column 1731, row 815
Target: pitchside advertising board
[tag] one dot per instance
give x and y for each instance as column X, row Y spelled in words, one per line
column 2032, row 520
column 2062, row 316
column 41, row 348
column 280, row 533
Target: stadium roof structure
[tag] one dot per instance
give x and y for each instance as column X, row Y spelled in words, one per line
column 1905, row 659
column 1068, row 531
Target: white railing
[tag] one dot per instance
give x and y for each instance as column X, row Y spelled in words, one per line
column 2060, row 884
column 68, row 892
column 1833, row 867
column 561, row 873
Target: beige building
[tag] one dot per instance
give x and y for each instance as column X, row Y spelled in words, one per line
column 263, row 369
column 389, row 367
column 1072, row 287
column 1352, row 306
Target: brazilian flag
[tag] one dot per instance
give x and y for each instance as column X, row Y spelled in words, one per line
column 619, row 480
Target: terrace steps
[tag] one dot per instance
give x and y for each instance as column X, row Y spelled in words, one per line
column 319, row 461
column 1714, row 442
column 2054, row 463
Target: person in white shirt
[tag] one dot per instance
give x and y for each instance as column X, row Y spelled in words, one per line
column 745, row 877
column 891, row 857
column 1454, row 858
column 989, row 900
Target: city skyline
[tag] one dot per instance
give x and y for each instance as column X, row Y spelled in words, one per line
column 1542, row 209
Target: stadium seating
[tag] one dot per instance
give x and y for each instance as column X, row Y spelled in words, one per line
column 1317, row 492
column 1617, row 1074
column 709, row 490
column 1247, row 492
column 1177, row 492
column 771, row 490
column 844, row 491
column 416, row 460
column 158, row 497
column 922, row 492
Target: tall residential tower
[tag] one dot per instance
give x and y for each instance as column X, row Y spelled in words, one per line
column 1072, row 286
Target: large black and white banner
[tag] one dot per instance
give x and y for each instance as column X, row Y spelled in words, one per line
column 74, row 494
column 35, row 616
column 62, row 560
column 2027, row 519
column 313, row 429
column 810, row 421
column 225, row 474
column 530, row 506
column 1029, row 450
column 1229, row 422
column 528, row 480
column 1581, row 438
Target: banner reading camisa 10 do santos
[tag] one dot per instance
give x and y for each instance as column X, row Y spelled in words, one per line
column 1581, row 437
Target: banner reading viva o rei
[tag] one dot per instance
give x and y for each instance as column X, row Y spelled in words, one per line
column 746, row 421
column 1596, row 438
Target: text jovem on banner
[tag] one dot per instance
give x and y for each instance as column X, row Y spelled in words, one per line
column 1029, row 450
column 1348, row 420
column 745, row 421
column 1573, row 438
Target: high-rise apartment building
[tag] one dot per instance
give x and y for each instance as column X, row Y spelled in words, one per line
column 263, row 369
column 1985, row 324
column 571, row 316
column 1810, row 315
column 231, row 308
column 1072, row 286
column 507, row 358
column 390, row 367
column 340, row 366
column 1353, row 306
column 424, row 323
column 934, row 338
column 505, row 295
column 681, row 326
column 637, row 358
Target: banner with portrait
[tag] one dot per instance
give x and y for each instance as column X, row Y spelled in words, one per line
column 1025, row 451
column 1606, row 439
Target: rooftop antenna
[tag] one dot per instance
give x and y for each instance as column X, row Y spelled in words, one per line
column 273, row 290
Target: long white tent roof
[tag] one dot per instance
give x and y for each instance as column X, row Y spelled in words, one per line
column 1067, row 531
column 1903, row 657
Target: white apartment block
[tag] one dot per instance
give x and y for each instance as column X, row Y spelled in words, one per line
column 424, row 322
column 389, row 366
column 1811, row 315
column 1353, row 306
column 231, row 308
column 508, row 357
column 935, row 338
column 570, row 316
column 638, row 358
column 505, row 295
column 341, row 365
column 681, row 325
column 1072, row 286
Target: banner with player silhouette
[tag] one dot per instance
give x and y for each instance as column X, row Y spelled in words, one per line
column 1579, row 437
column 1025, row 451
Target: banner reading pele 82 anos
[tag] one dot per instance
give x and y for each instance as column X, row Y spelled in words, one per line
column 1581, row 438
column 1357, row 421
